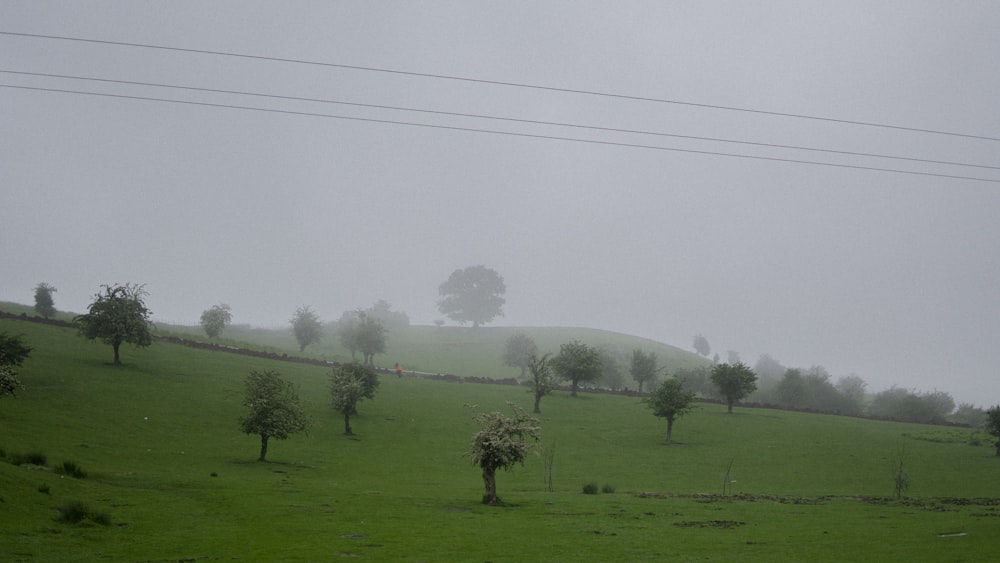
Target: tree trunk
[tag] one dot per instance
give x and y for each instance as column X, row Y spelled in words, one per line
column 347, row 424
column 729, row 403
column 263, row 446
column 538, row 399
column 573, row 394
column 670, row 429
column 490, row 482
column 998, row 447
column 116, row 346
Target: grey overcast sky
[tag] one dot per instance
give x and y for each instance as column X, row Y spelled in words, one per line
column 890, row 276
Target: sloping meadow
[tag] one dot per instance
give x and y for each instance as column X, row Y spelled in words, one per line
column 167, row 475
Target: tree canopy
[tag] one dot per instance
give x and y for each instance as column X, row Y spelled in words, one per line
column 577, row 363
column 701, row 345
column 13, row 351
column 670, row 401
column 501, row 443
column 518, row 351
column 541, row 381
column 44, row 304
column 118, row 315
column 734, row 381
column 349, row 384
column 215, row 319
column 643, row 367
column 306, row 327
column 993, row 424
column 273, row 409
column 474, row 294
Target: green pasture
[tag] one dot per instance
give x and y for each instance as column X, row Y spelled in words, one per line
column 165, row 462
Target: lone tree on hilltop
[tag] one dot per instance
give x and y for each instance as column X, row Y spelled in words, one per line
column 577, row 363
column 993, row 424
column 273, row 409
column 734, row 382
column 701, row 345
column 118, row 315
column 306, row 327
column 349, row 384
column 518, row 351
column 44, row 304
column 501, row 443
column 643, row 367
column 669, row 400
column 474, row 294
column 541, row 381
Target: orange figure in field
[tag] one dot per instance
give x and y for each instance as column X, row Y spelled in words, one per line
column 399, row 370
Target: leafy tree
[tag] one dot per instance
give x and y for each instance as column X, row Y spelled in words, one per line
column 541, row 382
column 577, row 363
column 852, row 388
column 391, row 320
column 643, row 367
column 215, row 319
column 518, row 351
column 347, row 331
column 992, row 425
column 13, row 350
column 901, row 404
column 474, row 294
column 349, row 384
column 44, row 304
column 306, row 327
column 611, row 371
column 734, row 382
column 701, row 345
column 371, row 338
column 970, row 415
column 118, row 315
column 669, row 400
column 273, row 408
column 9, row 383
column 501, row 443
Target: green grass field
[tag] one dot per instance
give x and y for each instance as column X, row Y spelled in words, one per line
column 165, row 462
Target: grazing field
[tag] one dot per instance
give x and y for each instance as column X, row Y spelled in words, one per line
column 169, row 477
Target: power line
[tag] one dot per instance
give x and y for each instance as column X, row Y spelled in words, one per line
column 499, row 118
column 504, row 83
column 506, row 133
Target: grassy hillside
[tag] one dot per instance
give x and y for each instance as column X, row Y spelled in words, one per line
column 158, row 439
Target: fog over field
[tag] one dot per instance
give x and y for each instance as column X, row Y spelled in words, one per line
column 890, row 275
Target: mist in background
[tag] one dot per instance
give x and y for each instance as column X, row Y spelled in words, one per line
column 891, row 276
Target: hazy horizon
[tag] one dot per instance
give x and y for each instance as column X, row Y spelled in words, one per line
column 886, row 268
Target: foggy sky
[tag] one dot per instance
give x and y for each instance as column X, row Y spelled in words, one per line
column 889, row 276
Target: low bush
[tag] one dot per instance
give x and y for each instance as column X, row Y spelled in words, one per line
column 33, row 458
column 607, row 489
column 71, row 469
column 590, row 489
column 76, row 512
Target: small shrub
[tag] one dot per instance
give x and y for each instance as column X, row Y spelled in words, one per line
column 43, row 488
column 76, row 512
column 73, row 512
column 590, row 489
column 607, row 489
column 32, row 458
column 71, row 469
